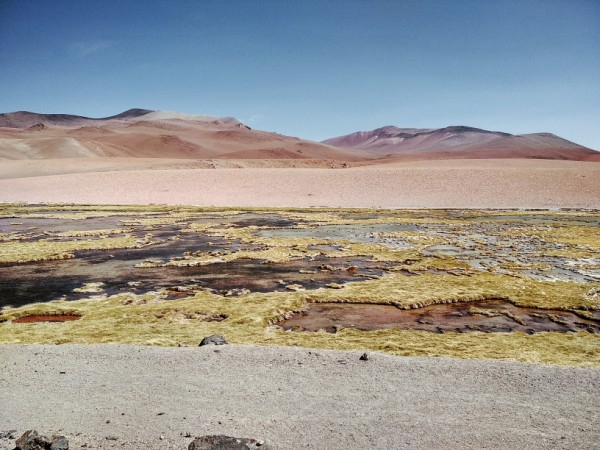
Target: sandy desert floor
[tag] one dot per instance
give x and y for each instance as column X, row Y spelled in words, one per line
column 423, row 184
column 116, row 396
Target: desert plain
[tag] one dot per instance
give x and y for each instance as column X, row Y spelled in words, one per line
column 466, row 265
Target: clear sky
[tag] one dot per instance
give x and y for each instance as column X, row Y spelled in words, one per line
column 312, row 68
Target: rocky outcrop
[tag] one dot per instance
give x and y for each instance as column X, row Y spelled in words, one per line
column 37, row 127
column 222, row 442
column 214, row 339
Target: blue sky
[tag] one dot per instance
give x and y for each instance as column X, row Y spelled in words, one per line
column 312, row 68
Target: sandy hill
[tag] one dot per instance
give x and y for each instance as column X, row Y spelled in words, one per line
column 461, row 142
column 160, row 135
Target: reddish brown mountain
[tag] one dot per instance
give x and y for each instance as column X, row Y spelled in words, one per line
column 143, row 134
column 461, row 142
column 25, row 119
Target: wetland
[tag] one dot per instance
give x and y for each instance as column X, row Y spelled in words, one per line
column 507, row 284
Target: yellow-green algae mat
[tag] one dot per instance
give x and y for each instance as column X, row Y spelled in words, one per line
column 458, row 256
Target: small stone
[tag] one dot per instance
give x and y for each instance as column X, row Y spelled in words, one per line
column 364, row 357
column 10, row 434
column 214, row 339
column 220, row 442
column 59, row 443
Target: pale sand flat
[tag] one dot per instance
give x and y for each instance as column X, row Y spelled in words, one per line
column 293, row 398
column 422, row 184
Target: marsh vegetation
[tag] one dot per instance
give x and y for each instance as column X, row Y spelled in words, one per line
column 155, row 275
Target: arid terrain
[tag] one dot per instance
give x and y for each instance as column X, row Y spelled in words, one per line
column 143, row 156
column 464, row 262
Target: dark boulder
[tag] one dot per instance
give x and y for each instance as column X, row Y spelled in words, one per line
column 221, row 442
column 214, row 339
column 32, row 440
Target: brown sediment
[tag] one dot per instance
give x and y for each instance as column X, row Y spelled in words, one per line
column 47, row 318
column 490, row 316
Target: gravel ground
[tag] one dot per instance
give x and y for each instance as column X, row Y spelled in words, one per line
column 428, row 184
column 119, row 396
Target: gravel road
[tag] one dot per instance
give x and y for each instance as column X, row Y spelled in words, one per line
column 120, row 396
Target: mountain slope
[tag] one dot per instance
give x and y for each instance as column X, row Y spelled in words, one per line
column 139, row 133
column 460, row 142
column 25, row 119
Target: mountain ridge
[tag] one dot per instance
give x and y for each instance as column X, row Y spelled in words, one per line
column 140, row 133
column 25, row 119
column 144, row 133
column 460, row 141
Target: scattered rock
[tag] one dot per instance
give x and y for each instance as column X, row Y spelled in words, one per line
column 222, row 442
column 37, row 127
column 59, row 443
column 364, row 357
column 32, row 440
column 214, row 339
column 10, row 434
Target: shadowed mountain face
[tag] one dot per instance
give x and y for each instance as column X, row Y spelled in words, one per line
column 460, row 142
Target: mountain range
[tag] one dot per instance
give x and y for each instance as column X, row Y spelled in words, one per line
column 164, row 139
column 461, row 142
